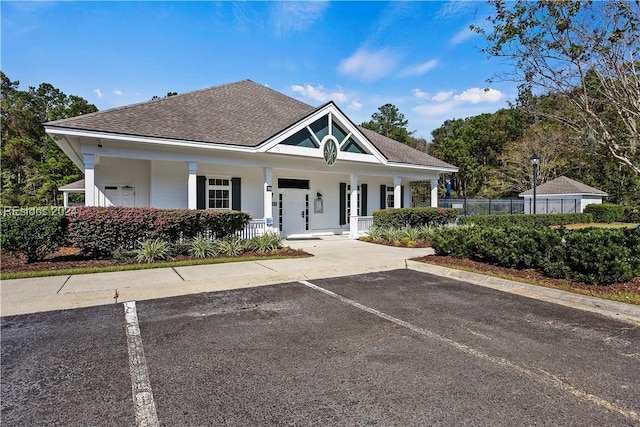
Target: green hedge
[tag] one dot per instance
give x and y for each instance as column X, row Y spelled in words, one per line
column 527, row 220
column 101, row 231
column 589, row 255
column 33, row 232
column 413, row 217
column 606, row 212
column 632, row 214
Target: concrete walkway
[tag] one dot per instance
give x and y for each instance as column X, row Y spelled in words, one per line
column 334, row 256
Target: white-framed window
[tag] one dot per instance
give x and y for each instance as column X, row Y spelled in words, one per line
column 390, row 198
column 219, row 193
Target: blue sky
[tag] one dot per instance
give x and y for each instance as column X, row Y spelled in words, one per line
column 419, row 56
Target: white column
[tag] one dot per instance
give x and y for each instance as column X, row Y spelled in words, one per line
column 65, row 195
column 89, row 180
column 397, row 191
column 434, row 193
column 353, row 216
column 192, row 186
column 267, row 197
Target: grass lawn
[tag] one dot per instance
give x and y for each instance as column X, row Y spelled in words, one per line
column 62, row 264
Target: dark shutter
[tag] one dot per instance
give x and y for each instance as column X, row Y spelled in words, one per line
column 363, row 199
column 343, row 203
column 201, row 190
column 383, row 197
column 402, row 196
column 235, row 194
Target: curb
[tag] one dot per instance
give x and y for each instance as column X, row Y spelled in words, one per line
column 628, row 313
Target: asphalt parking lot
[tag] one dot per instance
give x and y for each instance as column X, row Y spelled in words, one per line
column 389, row 348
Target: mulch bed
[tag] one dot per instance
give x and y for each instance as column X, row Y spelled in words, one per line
column 531, row 275
column 67, row 258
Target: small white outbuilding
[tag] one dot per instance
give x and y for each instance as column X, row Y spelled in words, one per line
column 562, row 195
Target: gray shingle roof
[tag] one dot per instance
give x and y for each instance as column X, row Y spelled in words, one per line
column 244, row 113
column 564, row 185
column 397, row 152
column 74, row 186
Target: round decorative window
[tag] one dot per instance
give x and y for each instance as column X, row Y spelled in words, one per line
column 330, row 151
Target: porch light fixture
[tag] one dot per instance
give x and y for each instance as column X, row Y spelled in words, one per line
column 534, row 162
column 319, row 195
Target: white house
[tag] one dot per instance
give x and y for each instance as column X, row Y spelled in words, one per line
column 562, row 195
column 299, row 169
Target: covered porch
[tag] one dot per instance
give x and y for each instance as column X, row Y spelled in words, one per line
column 295, row 202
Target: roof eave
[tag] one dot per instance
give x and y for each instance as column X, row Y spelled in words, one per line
column 57, row 130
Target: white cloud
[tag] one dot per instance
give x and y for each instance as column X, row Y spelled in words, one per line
column 442, row 96
column 369, row 65
column 453, row 8
column 98, row 92
column 420, row 69
column 448, row 103
column 355, row 105
column 462, row 36
column 435, row 109
column 118, row 92
column 288, row 16
column 419, row 94
column 476, row 95
column 319, row 93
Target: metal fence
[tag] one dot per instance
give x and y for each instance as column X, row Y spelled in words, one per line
column 468, row 207
column 553, row 206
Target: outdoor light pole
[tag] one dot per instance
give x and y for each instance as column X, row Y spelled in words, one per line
column 534, row 162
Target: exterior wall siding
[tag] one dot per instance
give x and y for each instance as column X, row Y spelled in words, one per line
column 122, row 172
column 169, row 185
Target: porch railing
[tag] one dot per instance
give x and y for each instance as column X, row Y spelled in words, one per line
column 364, row 224
column 255, row 228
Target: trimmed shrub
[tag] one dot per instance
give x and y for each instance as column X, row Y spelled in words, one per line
column 33, row 232
column 606, row 212
column 527, row 220
column 101, row 231
column 590, row 255
column 632, row 214
column 599, row 256
column 459, row 241
column 413, row 217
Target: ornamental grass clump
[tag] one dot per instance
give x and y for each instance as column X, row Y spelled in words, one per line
column 202, row 247
column 153, row 250
column 266, row 243
column 231, row 247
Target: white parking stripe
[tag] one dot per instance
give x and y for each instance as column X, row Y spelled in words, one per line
column 144, row 405
column 537, row 375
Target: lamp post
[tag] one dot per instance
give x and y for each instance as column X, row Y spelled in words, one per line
column 534, row 162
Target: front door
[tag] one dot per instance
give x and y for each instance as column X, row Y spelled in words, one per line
column 294, row 211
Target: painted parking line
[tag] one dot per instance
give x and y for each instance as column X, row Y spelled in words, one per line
column 144, row 404
column 538, row 375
